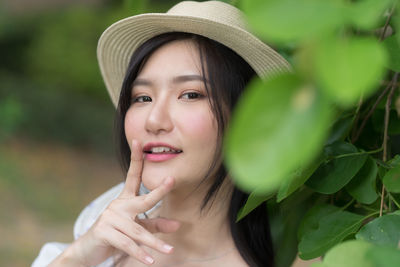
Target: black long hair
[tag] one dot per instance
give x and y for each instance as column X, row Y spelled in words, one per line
column 227, row 74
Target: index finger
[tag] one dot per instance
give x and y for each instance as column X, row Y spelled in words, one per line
column 134, row 175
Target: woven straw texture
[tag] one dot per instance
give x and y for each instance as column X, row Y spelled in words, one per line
column 213, row 19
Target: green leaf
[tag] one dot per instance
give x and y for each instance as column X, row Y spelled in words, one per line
column 349, row 68
column 384, row 256
column 334, row 175
column 293, row 20
column 253, row 201
column 312, row 218
column 340, row 130
column 392, row 45
column 297, row 179
column 351, row 253
column 383, row 230
column 363, row 186
column 366, row 14
column 278, row 125
column 331, row 230
column 358, row 253
column 395, row 161
column 391, row 180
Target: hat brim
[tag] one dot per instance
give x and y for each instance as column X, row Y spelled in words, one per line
column 122, row 38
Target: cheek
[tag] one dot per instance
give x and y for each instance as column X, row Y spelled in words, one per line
column 132, row 125
column 200, row 126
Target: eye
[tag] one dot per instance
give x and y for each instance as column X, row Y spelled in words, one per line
column 192, row 95
column 141, row 99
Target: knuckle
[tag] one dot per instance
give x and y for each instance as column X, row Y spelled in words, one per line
column 147, row 202
column 127, row 244
column 137, row 230
column 139, row 253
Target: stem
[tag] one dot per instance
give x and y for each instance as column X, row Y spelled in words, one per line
column 356, row 117
column 385, row 132
column 358, row 153
column 357, row 135
column 348, row 204
column 364, row 207
column 372, row 214
column 382, row 197
column 387, row 22
column 394, row 200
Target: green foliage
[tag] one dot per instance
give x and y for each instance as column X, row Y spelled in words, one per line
column 11, row 115
column 392, row 45
column 356, row 253
column 344, row 161
column 302, row 19
column 271, row 116
column 296, row 179
column 329, row 131
column 362, row 187
column 366, row 14
column 349, row 68
column 331, row 229
column 384, row 230
column 252, row 202
column 392, row 180
column 64, row 51
column 349, row 254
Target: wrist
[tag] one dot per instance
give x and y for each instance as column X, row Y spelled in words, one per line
column 68, row 258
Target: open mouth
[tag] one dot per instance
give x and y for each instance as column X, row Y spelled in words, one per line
column 162, row 150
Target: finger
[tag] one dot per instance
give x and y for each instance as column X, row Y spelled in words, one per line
column 133, row 178
column 152, row 198
column 157, row 225
column 139, row 234
column 122, row 242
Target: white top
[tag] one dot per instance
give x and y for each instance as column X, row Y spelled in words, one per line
column 85, row 220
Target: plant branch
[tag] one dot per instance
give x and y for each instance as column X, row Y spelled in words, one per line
column 387, row 22
column 356, row 117
column 348, row 204
column 371, row 111
column 394, row 200
column 385, row 132
column 357, row 153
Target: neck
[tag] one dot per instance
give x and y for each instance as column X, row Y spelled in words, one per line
column 203, row 234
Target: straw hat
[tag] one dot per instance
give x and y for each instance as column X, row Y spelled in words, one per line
column 213, row 19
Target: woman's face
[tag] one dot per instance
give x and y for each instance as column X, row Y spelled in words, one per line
column 170, row 106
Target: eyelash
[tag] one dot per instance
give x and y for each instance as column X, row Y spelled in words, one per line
column 134, row 100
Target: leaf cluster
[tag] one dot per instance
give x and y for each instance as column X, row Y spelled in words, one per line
column 327, row 133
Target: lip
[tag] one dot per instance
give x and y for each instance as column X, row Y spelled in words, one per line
column 159, row 157
column 148, row 146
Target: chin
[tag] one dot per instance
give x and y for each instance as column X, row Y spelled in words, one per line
column 151, row 183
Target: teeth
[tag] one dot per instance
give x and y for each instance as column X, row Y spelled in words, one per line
column 161, row 149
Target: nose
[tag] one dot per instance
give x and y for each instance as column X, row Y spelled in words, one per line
column 159, row 117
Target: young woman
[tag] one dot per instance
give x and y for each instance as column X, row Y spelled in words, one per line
column 175, row 79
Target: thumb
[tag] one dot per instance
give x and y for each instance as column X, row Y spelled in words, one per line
column 156, row 225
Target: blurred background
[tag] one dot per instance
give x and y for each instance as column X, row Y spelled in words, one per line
column 56, row 120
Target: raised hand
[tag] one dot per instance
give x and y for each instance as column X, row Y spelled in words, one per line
column 118, row 228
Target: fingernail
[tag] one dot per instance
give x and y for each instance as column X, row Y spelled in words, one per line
column 149, row 259
column 168, row 248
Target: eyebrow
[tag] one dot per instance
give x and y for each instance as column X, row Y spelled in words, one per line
column 177, row 79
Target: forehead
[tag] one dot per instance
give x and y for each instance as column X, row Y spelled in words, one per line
column 176, row 57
